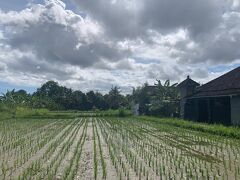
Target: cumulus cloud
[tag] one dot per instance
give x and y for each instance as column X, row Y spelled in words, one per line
column 215, row 48
column 123, row 18
column 118, row 42
column 210, row 26
column 57, row 35
column 47, row 40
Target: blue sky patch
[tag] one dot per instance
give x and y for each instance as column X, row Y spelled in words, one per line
column 222, row 68
column 4, row 86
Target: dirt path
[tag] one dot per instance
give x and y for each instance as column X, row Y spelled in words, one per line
column 86, row 167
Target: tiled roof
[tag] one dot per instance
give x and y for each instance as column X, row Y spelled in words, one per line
column 227, row 84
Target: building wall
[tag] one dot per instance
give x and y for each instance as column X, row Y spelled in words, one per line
column 235, row 110
column 209, row 110
column 191, row 109
column 182, row 107
column 220, row 110
column 184, row 92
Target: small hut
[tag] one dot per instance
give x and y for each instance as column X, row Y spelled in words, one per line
column 217, row 101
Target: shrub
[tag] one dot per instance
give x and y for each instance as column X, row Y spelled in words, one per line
column 121, row 112
column 24, row 112
column 216, row 129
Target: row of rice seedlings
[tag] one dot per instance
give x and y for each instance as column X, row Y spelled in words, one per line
column 115, row 157
column 191, row 162
column 124, row 166
column 95, row 152
column 103, row 163
column 56, row 161
column 23, row 136
column 29, row 171
column 71, row 170
column 55, row 158
column 217, row 145
column 210, row 147
column 14, row 148
column 41, row 159
column 21, row 141
column 25, row 152
column 151, row 158
column 40, row 141
column 140, row 167
column 11, row 129
column 150, row 151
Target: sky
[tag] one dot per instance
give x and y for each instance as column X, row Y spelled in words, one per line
column 94, row 45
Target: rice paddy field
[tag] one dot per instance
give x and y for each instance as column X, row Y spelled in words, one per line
column 112, row 148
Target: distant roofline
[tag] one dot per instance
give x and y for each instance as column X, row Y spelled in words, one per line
column 189, row 81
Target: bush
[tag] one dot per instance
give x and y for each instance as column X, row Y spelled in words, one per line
column 6, row 112
column 121, row 113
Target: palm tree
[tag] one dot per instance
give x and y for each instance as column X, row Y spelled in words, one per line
column 9, row 102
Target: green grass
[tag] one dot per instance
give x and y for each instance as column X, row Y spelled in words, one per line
column 27, row 112
column 21, row 112
column 5, row 112
column 43, row 114
column 114, row 113
column 216, row 129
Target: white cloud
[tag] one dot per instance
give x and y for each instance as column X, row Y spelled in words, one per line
column 118, row 42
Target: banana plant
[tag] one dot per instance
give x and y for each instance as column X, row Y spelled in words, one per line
column 8, row 101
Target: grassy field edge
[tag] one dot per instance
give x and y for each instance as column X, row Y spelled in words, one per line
column 216, row 129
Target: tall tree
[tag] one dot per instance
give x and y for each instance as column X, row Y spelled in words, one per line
column 142, row 97
column 114, row 98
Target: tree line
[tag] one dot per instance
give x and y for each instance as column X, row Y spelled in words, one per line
column 160, row 99
column 53, row 96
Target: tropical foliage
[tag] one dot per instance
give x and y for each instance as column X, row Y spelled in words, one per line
column 52, row 96
column 161, row 99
